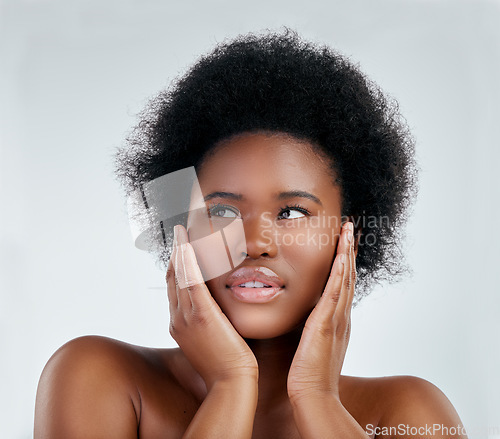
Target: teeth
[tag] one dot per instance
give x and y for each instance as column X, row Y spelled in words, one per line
column 253, row 284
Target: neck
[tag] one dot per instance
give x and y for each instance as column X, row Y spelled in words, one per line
column 274, row 357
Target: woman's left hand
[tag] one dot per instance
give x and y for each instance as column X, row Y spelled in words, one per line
column 316, row 366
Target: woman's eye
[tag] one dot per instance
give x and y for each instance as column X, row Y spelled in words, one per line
column 224, row 212
column 291, row 213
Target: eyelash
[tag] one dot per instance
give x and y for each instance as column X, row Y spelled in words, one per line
column 297, row 207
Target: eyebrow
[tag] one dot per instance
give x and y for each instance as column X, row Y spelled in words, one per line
column 281, row 196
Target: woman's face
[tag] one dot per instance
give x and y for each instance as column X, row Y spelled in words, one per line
column 290, row 208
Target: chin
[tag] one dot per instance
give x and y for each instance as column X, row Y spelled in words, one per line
column 260, row 326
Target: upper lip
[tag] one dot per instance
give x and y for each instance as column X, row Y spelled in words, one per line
column 259, row 274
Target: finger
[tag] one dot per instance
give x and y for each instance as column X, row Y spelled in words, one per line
column 195, row 286
column 184, row 301
column 353, row 272
column 191, row 274
column 171, row 292
column 325, row 308
column 348, row 281
column 192, row 283
column 334, row 283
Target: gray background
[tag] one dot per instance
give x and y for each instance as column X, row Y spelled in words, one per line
column 75, row 73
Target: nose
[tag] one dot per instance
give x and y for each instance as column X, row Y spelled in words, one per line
column 260, row 238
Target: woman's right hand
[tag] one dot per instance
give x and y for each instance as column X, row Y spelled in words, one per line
column 206, row 336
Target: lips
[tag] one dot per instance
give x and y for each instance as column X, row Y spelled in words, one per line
column 255, row 284
column 256, row 274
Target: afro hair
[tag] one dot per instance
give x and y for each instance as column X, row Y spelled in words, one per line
column 278, row 82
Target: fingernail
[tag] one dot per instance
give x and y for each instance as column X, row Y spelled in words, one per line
column 348, row 230
column 175, row 235
column 341, row 264
column 181, row 235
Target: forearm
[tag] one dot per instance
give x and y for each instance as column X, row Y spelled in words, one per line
column 324, row 417
column 228, row 411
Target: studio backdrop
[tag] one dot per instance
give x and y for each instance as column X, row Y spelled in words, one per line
column 74, row 75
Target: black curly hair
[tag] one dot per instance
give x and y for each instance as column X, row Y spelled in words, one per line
column 278, row 82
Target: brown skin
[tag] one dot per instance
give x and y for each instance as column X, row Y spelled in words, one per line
column 243, row 370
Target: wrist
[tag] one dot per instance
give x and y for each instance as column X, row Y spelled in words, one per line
column 322, row 414
column 315, row 397
column 235, row 382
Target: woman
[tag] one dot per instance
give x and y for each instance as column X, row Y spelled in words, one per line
column 307, row 161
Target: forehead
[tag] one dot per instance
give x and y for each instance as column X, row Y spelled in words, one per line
column 265, row 161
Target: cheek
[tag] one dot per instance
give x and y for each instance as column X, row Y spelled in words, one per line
column 310, row 253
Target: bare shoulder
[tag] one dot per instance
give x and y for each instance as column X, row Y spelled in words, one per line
column 401, row 407
column 91, row 387
column 94, row 358
column 94, row 348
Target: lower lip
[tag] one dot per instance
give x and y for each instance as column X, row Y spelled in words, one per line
column 255, row 295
